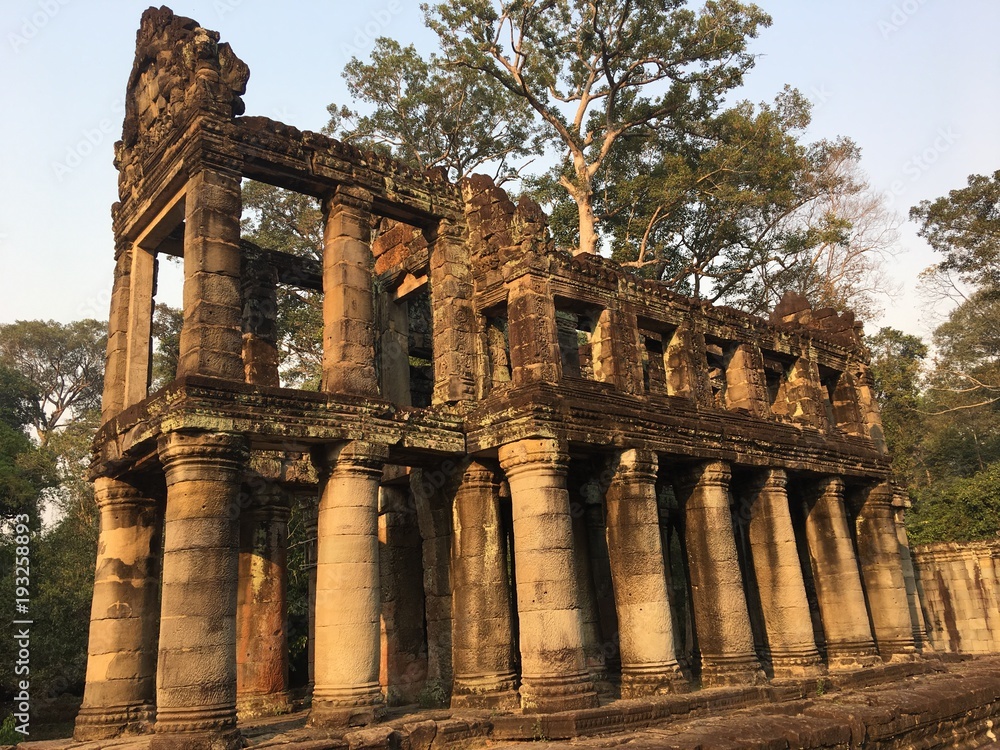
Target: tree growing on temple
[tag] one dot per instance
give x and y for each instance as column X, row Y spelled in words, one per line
column 598, row 74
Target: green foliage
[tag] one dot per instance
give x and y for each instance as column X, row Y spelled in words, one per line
column 292, row 223
column 167, row 322
column 8, row 735
column 964, row 226
column 598, row 74
column 25, row 471
column 64, row 363
column 958, row 509
column 429, row 115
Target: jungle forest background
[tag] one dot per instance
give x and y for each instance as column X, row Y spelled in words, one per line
column 620, row 120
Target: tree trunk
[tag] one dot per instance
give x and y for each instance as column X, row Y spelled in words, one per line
column 588, row 228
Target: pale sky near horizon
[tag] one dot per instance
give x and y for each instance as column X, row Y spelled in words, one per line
column 914, row 82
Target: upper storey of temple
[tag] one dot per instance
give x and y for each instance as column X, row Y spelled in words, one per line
column 451, row 322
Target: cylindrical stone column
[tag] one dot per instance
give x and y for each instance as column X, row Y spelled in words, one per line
column 120, row 693
column 348, row 591
column 849, row 643
column 782, row 588
column 554, row 674
column 260, row 322
column 309, row 519
column 211, row 341
column 909, row 575
column 882, row 568
column 646, row 634
column 721, row 617
column 196, row 671
column 348, row 304
column 262, row 605
column 482, row 643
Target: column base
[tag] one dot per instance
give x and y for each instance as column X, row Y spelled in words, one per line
column 263, row 704
column 794, row 665
column 354, row 706
column 213, row 719
column 898, row 650
column 113, row 721
column 225, row 740
column 547, row 695
column 653, row 679
column 851, row 659
column 491, row 692
column 731, row 671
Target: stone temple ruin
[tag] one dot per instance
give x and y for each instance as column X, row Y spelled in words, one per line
column 533, row 477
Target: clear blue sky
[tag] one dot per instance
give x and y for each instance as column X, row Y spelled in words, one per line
column 914, row 82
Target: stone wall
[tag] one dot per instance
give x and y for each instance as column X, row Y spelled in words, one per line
column 959, row 587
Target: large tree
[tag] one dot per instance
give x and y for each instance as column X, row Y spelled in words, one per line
column 432, row 116
column 63, row 361
column 597, row 73
column 964, row 226
column 25, row 471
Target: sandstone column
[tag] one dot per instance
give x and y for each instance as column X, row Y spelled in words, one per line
column 116, row 359
column 482, row 644
column 779, row 580
column 453, row 315
column 882, row 568
column 590, row 615
column 900, row 503
column 722, row 620
column 849, row 643
column 348, row 305
column 648, row 653
column 260, row 323
column 196, row 671
column 310, row 520
column 262, row 605
column 121, row 661
column 553, row 669
column 211, row 337
column 348, row 602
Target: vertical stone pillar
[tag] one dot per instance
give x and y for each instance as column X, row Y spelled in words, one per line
column 260, row 323
column 867, row 404
column 432, row 493
column 721, row 616
column 482, row 642
column 779, row 579
column 196, row 671
column 348, row 303
column 138, row 358
column 453, row 315
column 348, row 601
column 849, row 643
column 211, row 337
column 590, row 616
column 116, row 359
column 310, row 520
column 805, row 401
column 553, row 669
column 121, row 653
column 686, row 366
column 882, row 568
column 262, row 605
column 592, row 495
column 646, row 634
column 900, row 503
column 403, row 671
column 532, row 331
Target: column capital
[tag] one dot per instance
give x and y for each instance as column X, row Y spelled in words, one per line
column 770, row 479
column 637, row 463
column 831, row 485
column 355, row 456
column 708, row 473
column 202, row 455
column 111, row 493
column 348, row 197
column 532, row 452
column 880, row 494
